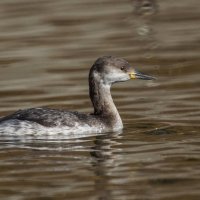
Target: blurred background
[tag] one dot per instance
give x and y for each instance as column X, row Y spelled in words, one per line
column 46, row 50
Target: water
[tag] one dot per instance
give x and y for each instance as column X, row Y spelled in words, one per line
column 47, row 48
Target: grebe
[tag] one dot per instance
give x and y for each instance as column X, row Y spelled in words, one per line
column 106, row 71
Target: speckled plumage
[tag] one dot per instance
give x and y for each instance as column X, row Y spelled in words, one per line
column 49, row 117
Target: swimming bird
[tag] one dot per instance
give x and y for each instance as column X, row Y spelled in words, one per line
column 105, row 71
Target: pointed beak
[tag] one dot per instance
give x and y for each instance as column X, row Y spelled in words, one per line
column 138, row 75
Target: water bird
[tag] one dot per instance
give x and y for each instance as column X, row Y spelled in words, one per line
column 105, row 71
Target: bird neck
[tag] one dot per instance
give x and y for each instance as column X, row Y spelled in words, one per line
column 102, row 101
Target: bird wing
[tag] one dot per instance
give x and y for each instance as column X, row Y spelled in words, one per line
column 48, row 117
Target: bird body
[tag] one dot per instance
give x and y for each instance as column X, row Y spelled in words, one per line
column 106, row 71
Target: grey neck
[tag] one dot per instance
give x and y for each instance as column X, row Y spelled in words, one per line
column 102, row 101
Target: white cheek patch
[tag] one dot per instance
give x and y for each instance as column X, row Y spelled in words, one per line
column 115, row 76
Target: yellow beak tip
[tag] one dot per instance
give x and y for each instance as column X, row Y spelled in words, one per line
column 132, row 75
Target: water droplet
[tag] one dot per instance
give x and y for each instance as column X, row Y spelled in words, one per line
column 145, row 7
column 143, row 30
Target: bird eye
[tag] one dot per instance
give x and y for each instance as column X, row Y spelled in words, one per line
column 122, row 68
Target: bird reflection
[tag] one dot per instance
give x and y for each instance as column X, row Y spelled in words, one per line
column 104, row 157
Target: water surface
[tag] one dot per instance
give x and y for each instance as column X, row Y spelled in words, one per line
column 46, row 50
